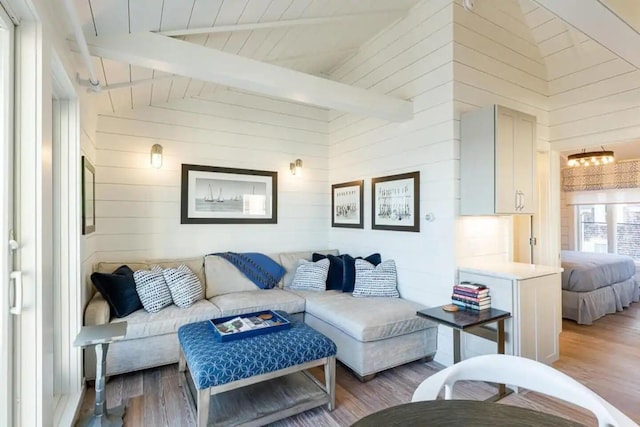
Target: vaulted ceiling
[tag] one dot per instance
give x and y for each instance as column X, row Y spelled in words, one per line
column 311, row 36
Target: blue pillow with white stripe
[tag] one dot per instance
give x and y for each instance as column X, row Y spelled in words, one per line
column 376, row 281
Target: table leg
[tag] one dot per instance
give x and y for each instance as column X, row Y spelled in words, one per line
column 330, row 381
column 456, row 346
column 202, row 410
column 502, row 389
column 101, row 416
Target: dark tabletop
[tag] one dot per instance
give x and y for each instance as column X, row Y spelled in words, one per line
column 463, row 318
column 461, row 413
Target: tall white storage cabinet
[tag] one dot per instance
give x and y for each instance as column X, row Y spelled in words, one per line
column 497, row 162
column 533, row 295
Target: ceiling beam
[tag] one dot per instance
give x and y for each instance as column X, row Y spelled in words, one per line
column 601, row 24
column 391, row 14
column 154, row 51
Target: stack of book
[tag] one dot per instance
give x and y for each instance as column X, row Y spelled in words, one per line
column 471, row 295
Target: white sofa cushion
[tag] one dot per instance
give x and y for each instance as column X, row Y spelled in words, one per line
column 142, row 324
column 224, row 278
column 368, row 319
column 257, row 300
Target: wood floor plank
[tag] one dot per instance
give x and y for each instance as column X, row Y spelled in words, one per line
column 602, row 356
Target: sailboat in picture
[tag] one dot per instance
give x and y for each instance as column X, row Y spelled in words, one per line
column 209, row 197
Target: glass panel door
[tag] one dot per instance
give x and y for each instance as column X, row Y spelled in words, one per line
column 9, row 281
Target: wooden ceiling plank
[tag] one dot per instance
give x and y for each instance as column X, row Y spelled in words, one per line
column 230, row 12
column 598, row 22
column 296, row 9
column 145, row 15
column 110, row 16
column 176, row 14
column 140, row 94
column 205, row 13
column 198, row 62
column 386, row 16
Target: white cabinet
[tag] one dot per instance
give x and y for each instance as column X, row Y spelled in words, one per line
column 497, row 162
column 532, row 293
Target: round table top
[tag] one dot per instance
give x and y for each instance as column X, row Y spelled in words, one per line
column 456, row 413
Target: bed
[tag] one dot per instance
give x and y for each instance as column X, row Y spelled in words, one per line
column 595, row 284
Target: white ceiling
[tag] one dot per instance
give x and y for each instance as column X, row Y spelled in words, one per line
column 312, row 48
column 627, row 10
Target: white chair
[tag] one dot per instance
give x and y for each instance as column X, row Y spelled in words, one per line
column 526, row 373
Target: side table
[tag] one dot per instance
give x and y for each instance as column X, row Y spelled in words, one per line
column 101, row 336
column 472, row 322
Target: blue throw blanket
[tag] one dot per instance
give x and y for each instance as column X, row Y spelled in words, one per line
column 259, row 268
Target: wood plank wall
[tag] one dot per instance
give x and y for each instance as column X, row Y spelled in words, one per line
column 496, row 61
column 138, row 207
column 411, row 59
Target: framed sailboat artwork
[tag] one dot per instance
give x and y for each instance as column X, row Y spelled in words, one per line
column 217, row 195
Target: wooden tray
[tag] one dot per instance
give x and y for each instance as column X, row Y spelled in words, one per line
column 276, row 323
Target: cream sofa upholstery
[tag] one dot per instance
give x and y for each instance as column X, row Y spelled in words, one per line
column 372, row 334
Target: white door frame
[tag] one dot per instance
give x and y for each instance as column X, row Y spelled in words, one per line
column 67, row 282
column 6, row 216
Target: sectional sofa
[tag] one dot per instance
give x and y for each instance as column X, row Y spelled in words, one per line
column 372, row 334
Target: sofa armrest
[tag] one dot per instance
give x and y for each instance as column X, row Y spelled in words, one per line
column 97, row 312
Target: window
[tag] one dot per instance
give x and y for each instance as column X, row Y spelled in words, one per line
column 592, row 228
column 613, row 228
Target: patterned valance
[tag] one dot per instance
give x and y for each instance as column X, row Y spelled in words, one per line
column 623, row 174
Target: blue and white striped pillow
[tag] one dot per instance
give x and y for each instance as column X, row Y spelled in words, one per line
column 311, row 276
column 376, row 281
column 184, row 285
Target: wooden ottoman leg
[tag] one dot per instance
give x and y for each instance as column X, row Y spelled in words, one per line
column 182, row 363
column 330, row 380
column 203, row 407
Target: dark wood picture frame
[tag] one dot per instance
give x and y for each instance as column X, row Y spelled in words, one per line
column 227, row 193
column 395, row 202
column 347, row 204
column 88, row 197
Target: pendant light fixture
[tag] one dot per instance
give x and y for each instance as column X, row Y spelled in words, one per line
column 590, row 158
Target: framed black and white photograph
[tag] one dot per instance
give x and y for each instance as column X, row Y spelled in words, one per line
column 215, row 195
column 88, row 197
column 395, row 202
column 346, row 205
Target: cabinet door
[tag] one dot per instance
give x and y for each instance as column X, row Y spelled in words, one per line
column 540, row 318
column 524, row 162
column 504, row 170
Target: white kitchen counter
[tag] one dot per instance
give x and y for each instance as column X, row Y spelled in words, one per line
column 509, row 270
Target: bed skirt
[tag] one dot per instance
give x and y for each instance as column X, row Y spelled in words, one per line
column 585, row 307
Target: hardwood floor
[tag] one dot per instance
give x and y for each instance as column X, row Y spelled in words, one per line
column 603, row 356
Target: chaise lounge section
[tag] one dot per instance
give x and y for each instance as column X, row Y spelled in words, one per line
column 372, row 334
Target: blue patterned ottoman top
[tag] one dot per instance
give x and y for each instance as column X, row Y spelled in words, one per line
column 214, row 363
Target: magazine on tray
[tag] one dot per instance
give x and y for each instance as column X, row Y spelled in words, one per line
column 243, row 324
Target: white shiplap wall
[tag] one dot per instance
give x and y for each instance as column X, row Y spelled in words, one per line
column 88, row 124
column 497, row 61
column 411, row 59
column 138, row 207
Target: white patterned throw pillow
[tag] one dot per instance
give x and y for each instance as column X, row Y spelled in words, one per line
column 184, row 286
column 311, row 276
column 376, row 281
column 152, row 289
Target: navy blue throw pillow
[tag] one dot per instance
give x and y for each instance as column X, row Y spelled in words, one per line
column 350, row 269
column 335, row 277
column 119, row 290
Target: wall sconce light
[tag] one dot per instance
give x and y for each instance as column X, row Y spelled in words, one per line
column 296, row 167
column 156, row 156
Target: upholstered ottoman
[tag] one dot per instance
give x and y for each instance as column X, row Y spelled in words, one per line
column 271, row 366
